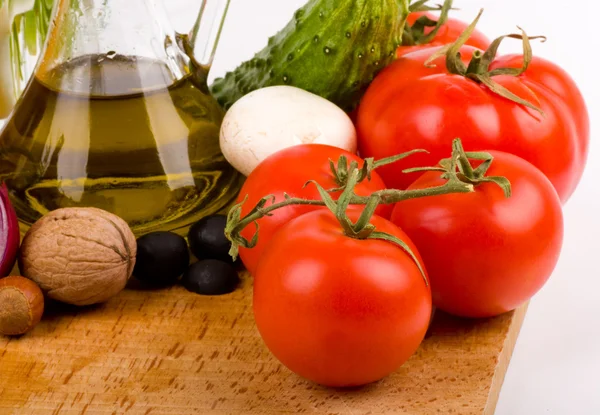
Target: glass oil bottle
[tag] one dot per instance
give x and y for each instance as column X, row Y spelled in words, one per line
column 118, row 116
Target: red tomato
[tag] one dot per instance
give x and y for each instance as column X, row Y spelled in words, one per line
column 544, row 77
column 288, row 171
column 448, row 33
column 410, row 105
column 486, row 254
column 337, row 310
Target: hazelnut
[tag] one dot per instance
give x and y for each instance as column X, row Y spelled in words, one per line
column 79, row 256
column 21, row 305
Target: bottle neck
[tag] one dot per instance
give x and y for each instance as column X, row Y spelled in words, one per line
column 130, row 28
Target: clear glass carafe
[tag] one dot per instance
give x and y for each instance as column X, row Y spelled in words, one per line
column 118, row 116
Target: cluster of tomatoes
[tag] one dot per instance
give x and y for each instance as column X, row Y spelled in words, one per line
column 346, row 311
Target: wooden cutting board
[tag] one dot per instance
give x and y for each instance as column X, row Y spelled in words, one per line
column 173, row 352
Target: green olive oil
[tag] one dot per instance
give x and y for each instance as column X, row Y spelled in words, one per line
column 121, row 134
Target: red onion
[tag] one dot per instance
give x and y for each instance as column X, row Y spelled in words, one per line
column 9, row 233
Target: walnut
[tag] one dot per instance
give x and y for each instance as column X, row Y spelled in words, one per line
column 79, row 256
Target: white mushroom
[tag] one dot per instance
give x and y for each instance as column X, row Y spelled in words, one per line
column 271, row 119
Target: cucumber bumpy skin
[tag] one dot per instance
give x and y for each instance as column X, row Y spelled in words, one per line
column 332, row 48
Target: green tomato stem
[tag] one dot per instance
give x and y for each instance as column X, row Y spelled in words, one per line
column 415, row 35
column 342, row 168
column 478, row 69
column 236, row 224
column 351, row 175
column 457, row 170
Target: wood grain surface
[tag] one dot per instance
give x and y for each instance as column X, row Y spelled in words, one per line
column 173, row 352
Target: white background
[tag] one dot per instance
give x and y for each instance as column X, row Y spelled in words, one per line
column 556, row 364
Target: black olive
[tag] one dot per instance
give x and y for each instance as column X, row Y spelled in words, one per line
column 161, row 258
column 207, row 239
column 211, row 277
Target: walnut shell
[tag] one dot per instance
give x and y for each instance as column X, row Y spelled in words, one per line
column 79, row 256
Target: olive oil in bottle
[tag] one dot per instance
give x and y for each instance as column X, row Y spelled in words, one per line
column 122, row 134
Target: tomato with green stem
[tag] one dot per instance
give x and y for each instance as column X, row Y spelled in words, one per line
column 424, row 29
column 286, row 173
column 486, row 254
column 337, row 310
column 519, row 104
column 341, row 296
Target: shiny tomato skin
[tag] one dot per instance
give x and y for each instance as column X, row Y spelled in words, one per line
column 339, row 311
column 486, row 254
column 288, row 171
column 448, row 33
column 412, row 106
column 543, row 76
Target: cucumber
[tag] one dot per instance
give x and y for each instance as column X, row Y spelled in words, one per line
column 332, row 48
